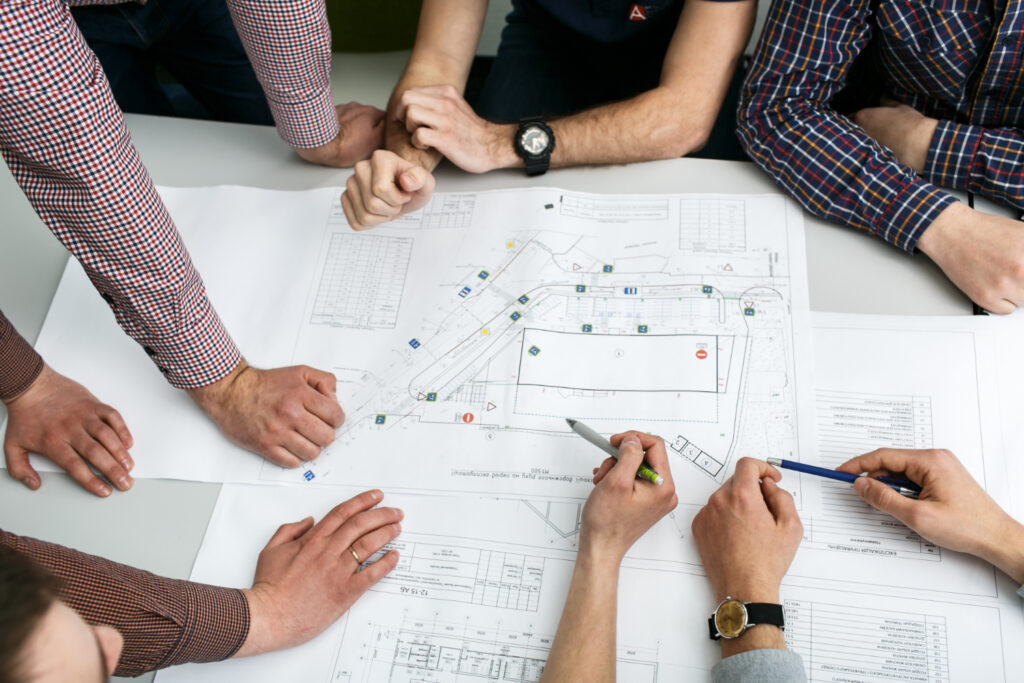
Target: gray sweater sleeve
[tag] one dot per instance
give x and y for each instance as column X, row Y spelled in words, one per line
column 777, row 666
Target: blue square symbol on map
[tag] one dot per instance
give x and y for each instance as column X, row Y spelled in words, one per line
column 515, row 315
column 581, row 288
column 642, row 329
column 414, row 343
column 483, row 275
column 380, row 419
column 523, row 299
column 629, row 290
column 534, row 350
column 432, row 396
column 706, row 289
column 588, row 327
column 748, row 311
column 308, row 475
column 607, row 269
column 464, row 292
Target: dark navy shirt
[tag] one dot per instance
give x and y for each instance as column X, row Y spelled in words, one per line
column 611, row 21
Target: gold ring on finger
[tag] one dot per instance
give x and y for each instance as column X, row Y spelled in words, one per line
column 354, row 555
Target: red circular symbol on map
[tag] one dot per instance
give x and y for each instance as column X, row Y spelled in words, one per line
column 467, row 417
column 702, row 354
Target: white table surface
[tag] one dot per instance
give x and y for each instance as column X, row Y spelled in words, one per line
column 159, row 525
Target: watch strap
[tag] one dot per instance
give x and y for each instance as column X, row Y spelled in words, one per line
column 765, row 613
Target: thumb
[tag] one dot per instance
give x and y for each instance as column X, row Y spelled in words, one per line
column 881, row 497
column 631, row 455
column 287, row 533
column 779, row 501
column 18, row 466
column 413, row 179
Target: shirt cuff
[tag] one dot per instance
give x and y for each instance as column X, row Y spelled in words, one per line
column 198, row 352
column 216, row 624
column 951, row 154
column 911, row 212
column 769, row 664
column 309, row 123
column 20, row 365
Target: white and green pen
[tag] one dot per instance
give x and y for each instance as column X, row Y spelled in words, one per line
column 645, row 471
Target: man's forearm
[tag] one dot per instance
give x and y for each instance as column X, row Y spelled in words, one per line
column 584, row 647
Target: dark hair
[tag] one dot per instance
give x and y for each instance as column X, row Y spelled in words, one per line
column 27, row 591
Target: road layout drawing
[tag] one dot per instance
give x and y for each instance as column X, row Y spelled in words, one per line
column 463, row 335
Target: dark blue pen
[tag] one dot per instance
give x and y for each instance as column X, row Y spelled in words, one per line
column 900, row 486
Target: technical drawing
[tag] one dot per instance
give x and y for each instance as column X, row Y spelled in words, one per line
column 716, row 225
column 432, row 650
column 452, row 211
column 362, row 281
column 535, row 315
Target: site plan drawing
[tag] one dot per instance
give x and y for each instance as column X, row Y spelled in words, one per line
column 470, row 330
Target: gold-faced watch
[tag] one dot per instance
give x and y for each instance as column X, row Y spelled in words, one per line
column 732, row 617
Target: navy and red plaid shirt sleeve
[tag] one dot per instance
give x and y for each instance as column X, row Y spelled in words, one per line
column 987, row 161
column 289, row 45
column 164, row 622
column 821, row 158
column 19, row 363
column 66, row 143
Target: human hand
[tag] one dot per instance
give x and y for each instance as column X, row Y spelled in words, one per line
column 952, row 511
column 904, row 130
column 384, row 188
column 438, row 117
column 361, row 130
column 748, row 534
column 59, row 419
column 286, row 415
column 307, row 577
column 981, row 254
column 621, row 508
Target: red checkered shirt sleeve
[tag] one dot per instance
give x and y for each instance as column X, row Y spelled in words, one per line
column 289, row 45
column 821, row 158
column 66, row 143
column 19, row 363
column 164, row 622
column 988, row 161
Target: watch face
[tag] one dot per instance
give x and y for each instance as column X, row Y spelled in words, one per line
column 731, row 618
column 534, row 140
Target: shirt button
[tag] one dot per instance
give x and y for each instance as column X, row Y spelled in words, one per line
column 990, row 92
column 1007, row 41
column 925, row 41
column 150, row 350
column 162, row 369
column 109, row 299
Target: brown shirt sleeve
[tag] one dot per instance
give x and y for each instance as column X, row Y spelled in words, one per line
column 19, row 363
column 163, row 621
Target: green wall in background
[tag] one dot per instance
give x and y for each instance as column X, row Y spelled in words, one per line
column 373, row 25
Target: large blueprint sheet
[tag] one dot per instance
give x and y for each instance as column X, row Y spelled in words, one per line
column 463, row 335
column 479, row 588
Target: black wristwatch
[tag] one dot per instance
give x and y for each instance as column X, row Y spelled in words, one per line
column 534, row 142
column 732, row 617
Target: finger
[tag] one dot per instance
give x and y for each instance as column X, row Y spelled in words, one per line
column 299, row 446
column 286, row 533
column 19, row 467
column 96, row 454
column 428, row 138
column 417, row 116
column 324, row 382
column 602, row 471
column 631, row 455
column 657, row 458
column 373, row 573
column 370, row 543
column 327, row 410
column 383, row 181
column 108, row 438
column 780, row 502
column 881, row 497
column 646, row 440
column 279, row 455
column 349, row 210
column 116, row 422
column 70, row 462
column 364, row 522
column 416, row 180
column 315, row 430
column 339, row 514
column 892, row 459
column 749, row 471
